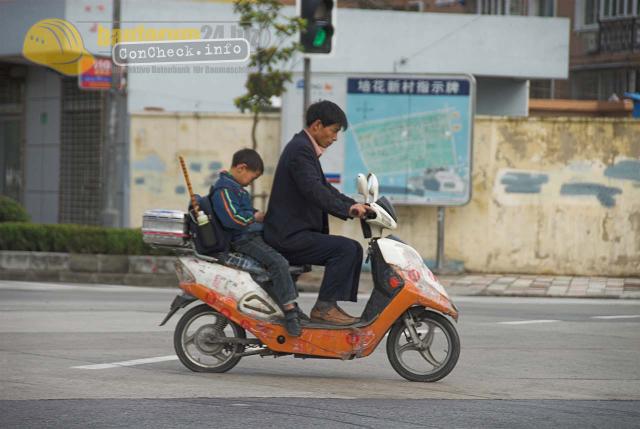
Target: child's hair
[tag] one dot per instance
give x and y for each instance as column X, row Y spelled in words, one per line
column 249, row 157
column 328, row 112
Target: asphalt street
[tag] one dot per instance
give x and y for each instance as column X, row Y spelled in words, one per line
column 94, row 356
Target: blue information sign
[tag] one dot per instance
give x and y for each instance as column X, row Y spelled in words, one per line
column 415, row 133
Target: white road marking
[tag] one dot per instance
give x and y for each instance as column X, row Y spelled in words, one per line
column 524, row 322
column 127, row 362
column 626, row 316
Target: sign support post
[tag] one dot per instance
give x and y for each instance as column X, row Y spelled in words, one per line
column 440, row 248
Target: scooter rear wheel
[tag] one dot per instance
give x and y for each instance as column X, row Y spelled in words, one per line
column 436, row 354
column 199, row 340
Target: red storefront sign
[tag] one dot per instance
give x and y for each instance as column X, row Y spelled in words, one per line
column 98, row 77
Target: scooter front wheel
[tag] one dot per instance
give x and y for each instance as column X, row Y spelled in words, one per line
column 423, row 346
column 203, row 340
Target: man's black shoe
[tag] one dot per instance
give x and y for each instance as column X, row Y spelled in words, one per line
column 292, row 322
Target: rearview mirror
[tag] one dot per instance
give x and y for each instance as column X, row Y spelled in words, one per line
column 362, row 187
column 373, row 185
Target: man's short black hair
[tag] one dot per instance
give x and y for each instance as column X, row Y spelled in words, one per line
column 249, row 157
column 329, row 113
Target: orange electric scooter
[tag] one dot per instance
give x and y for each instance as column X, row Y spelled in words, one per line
column 240, row 318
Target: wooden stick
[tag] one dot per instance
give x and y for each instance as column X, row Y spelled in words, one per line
column 194, row 203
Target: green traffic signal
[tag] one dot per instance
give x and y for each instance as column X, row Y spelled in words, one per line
column 316, row 37
column 321, row 37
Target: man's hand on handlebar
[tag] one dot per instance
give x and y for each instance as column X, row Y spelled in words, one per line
column 361, row 211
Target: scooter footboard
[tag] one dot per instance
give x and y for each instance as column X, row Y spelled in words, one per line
column 378, row 301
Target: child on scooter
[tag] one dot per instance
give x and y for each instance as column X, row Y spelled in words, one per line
column 232, row 204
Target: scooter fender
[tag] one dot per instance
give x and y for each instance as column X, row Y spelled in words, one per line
column 418, row 278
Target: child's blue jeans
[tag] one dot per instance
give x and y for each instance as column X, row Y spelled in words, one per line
column 253, row 245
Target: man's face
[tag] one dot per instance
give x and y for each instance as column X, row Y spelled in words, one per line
column 324, row 135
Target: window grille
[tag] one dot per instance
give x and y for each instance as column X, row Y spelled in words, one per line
column 80, row 155
column 11, row 134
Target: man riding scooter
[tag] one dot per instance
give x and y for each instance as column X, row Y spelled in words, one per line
column 297, row 224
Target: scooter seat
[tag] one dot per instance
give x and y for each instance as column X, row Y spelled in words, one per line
column 247, row 263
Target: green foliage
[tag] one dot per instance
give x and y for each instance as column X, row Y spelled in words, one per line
column 74, row 239
column 12, row 211
column 273, row 49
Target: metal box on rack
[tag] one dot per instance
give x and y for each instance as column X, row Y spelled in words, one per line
column 167, row 228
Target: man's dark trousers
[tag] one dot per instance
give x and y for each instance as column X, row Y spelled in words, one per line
column 342, row 259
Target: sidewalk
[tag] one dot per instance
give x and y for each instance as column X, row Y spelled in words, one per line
column 513, row 285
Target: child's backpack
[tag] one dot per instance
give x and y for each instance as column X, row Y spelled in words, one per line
column 222, row 237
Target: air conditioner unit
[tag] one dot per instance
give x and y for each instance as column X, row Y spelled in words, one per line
column 591, row 40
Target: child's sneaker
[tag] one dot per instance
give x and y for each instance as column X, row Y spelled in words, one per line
column 292, row 322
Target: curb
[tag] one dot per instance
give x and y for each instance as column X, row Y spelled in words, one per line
column 135, row 270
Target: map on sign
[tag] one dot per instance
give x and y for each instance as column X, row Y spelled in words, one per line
column 414, row 134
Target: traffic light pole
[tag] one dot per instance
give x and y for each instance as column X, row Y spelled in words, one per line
column 307, row 88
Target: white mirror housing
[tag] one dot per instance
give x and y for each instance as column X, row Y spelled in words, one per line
column 373, row 185
column 361, row 186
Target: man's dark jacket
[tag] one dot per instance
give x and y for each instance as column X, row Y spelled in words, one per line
column 301, row 198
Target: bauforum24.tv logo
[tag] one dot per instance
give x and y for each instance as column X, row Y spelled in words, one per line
column 57, row 43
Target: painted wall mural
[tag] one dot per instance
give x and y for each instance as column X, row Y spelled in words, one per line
column 578, row 179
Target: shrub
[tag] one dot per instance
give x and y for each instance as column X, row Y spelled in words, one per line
column 74, row 239
column 12, row 211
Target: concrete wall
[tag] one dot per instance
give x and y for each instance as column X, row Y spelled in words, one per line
column 550, row 195
column 207, row 142
column 42, row 144
column 557, row 196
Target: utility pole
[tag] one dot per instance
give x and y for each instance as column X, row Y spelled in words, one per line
column 112, row 145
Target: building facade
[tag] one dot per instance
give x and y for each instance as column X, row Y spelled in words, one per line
column 604, row 41
column 52, row 132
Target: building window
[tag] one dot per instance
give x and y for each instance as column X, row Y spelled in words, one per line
column 517, row 7
column 11, row 133
column 546, row 8
column 540, row 88
column 490, row 7
column 609, row 84
column 80, row 155
column 591, row 12
column 611, row 9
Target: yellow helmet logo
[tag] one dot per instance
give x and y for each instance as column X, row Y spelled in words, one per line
column 56, row 43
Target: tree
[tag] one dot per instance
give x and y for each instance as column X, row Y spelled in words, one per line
column 269, row 32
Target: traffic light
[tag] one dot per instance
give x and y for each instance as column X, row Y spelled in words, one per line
column 316, row 37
